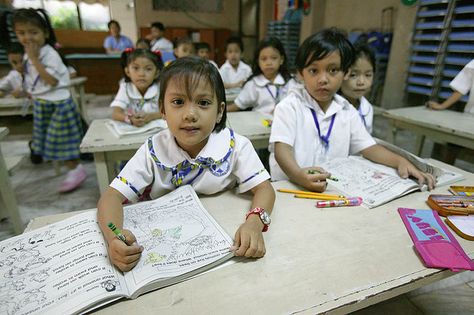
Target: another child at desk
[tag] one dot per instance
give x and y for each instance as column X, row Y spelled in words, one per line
column 359, row 81
column 234, row 71
column 203, row 50
column 269, row 81
column 196, row 149
column 462, row 84
column 136, row 102
column 313, row 123
column 57, row 129
column 183, row 47
column 12, row 82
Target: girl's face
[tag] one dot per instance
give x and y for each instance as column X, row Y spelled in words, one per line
column 142, row 71
column 29, row 33
column 16, row 61
column 323, row 78
column 359, row 79
column 183, row 50
column 191, row 119
column 233, row 54
column 269, row 61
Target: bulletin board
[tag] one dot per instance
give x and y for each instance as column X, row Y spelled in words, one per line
column 205, row 6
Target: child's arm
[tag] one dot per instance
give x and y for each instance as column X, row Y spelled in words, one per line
column 234, row 85
column 147, row 117
column 285, row 157
column 381, row 155
column 233, row 108
column 249, row 238
column 119, row 114
column 456, row 96
column 124, row 256
column 32, row 50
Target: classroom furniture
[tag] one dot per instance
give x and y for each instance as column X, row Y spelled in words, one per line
column 442, row 45
column 107, row 148
column 8, row 205
column 328, row 260
column 103, row 71
column 441, row 126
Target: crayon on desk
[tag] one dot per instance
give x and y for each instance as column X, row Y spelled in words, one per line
column 117, row 232
column 352, row 201
column 318, row 172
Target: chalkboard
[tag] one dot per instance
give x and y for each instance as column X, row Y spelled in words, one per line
column 207, row 6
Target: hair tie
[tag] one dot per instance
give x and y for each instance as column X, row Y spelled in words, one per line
column 128, row 50
column 157, row 52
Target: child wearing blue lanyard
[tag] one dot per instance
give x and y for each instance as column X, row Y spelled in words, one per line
column 359, row 81
column 314, row 124
column 269, row 81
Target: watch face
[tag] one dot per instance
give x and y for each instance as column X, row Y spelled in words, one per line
column 265, row 218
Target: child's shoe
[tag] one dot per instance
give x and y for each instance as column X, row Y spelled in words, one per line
column 74, row 179
column 35, row 158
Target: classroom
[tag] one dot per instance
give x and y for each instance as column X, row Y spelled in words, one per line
column 325, row 164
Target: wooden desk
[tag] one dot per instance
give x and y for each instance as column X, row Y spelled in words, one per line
column 334, row 260
column 8, row 205
column 441, row 126
column 107, row 148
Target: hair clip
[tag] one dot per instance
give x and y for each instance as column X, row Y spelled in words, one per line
column 157, row 52
column 128, row 50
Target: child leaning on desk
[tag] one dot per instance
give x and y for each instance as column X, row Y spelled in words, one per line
column 196, row 150
column 314, row 124
column 136, row 102
column 12, row 82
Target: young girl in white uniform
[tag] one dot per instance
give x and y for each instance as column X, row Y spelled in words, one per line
column 269, row 81
column 57, row 126
column 358, row 82
column 136, row 102
column 196, row 150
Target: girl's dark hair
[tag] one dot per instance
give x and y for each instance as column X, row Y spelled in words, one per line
column 275, row 43
column 362, row 50
column 130, row 54
column 321, row 44
column 189, row 71
column 39, row 18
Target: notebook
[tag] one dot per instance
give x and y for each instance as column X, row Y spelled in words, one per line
column 462, row 225
column 121, row 129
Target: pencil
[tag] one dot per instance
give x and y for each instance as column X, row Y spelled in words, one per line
column 318, row 172
column 307, row 196
column 293, row 191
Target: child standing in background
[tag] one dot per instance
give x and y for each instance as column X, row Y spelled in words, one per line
column 158, row 41
column 196, row 149
column 269, row 81
column 358, row 83
column 234, row 71
column 314, row 124
column 136, row 102
column 203, row 50
column 12, row 82
column 57, row 126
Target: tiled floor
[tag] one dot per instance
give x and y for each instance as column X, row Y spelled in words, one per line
column 35, row 188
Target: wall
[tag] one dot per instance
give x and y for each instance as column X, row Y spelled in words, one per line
column 124, row 12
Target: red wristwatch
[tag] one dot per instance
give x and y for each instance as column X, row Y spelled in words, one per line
column 263, row 215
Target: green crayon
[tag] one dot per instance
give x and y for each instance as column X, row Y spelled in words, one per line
column 117, row 232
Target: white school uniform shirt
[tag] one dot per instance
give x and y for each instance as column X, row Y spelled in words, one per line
column 261, row 94
column 226, row 161
column 464, row 83
column 366, row 113
column 130, row 99
column 162, row 44
column 35, row 86
column 11, row 82
column 230, row 75
column 293, row 124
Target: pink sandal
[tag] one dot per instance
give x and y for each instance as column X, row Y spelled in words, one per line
column 74, row 179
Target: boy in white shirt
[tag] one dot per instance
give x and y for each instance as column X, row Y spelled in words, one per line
column 203, row 50
column 12, row 82
column 234, row 71
column 313, row 124
column 158, row 41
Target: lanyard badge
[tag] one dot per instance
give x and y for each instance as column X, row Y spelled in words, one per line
column 324, row 138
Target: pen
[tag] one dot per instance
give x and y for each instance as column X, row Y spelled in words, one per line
column 301, row 192
column 318, row 172
column 308, row 196
column 352, row 201
column 117, row 232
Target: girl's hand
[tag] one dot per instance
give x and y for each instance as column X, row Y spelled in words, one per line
column 32, row 50
column 435, row 105
column 406, row 169
column 17, row 93
column 138, row 120
column 249, row 239
column 313, row 178
column 125, row 256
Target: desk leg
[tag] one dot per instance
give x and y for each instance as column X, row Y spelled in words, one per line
column 420, row 141
column 7, row 198
column 102, row 169
column 392, row 135
column 81, row 101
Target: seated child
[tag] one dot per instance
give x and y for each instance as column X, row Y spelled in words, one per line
column 269, row 81
column 136, row 102
column 183, row 47
column 157, row 38
column 197, row 149
column 202, row 50
column 314, row 124
column 359, row 81
column 12, row 82
column 234, row 71
column 143, row 43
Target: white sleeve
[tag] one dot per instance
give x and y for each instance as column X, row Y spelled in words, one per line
column 121, row 99
column 360, row 137
column 136, row 175
column 464, row 79
column 6, row 83
column 247, row 97
column 284, row 124
column 54, row 64
column 248, row 168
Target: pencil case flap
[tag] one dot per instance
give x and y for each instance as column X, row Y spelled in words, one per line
column 443, row 254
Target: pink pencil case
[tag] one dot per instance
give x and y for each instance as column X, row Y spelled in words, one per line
column 434, row 243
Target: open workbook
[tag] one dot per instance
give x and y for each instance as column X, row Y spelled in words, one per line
column 377, row 183
column 122, row 129
column 64, row 268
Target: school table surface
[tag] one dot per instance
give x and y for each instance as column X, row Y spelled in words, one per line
column 107, row 148
column 334, row 260
column 439, row 125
